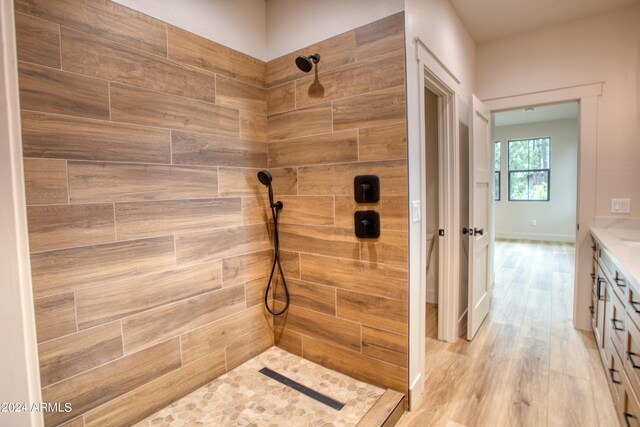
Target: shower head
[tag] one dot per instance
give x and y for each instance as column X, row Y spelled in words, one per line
column 265, row 178
column 305, row 63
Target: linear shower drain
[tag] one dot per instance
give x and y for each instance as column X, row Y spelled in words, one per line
column 332, row 403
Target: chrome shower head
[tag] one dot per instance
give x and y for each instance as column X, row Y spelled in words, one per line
column 305, row 63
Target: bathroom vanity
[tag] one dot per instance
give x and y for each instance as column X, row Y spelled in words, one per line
column 615, row 314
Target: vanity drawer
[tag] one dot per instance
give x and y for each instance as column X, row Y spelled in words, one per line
column 617, row 320
column 631, row 356
column 628, row 407
column 614, row 370
column 633, row 305
column 616, row 279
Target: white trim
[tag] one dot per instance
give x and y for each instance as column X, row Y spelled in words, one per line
column 550, row 96
column 432, row 63
column 432, row 74
column 19, row 355
column 587, row 95
column 440, row 80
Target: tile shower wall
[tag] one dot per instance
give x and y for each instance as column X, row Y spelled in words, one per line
column 148, row 234
column 349, row 296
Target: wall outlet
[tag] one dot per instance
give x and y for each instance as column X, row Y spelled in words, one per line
column 415, row 211
column 620, row 205
column 534, row 222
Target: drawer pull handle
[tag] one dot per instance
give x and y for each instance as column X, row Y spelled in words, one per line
column 626, row 418
column 613, row 380
column 630, row 355
column 635, row 304
column 615, row 323
column 599, row 289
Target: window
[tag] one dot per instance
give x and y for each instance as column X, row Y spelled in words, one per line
column 496, row 171
column 529, row 169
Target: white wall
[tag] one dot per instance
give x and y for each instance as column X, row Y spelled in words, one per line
column 555, row 219
column 441, row 30
column 600, row 48
column 238, row 24
column 19, row 377
column 294, row 24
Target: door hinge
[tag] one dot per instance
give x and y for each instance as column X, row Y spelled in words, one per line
column 441, row 232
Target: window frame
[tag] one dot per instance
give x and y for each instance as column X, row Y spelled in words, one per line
column 547, row 170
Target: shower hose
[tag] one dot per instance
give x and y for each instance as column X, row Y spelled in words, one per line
column 275, row 209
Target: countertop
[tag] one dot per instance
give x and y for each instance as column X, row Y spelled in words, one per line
column 623, row 244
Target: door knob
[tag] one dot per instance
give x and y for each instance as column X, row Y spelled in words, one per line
column 478, row 231
column 468, row 231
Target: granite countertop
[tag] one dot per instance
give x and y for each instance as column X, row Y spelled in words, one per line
column 623, row 244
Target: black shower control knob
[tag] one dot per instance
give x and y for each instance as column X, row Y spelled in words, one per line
column 367, row 224
column 366, row 188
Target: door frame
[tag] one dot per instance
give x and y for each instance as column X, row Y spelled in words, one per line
column 587, row 97
column 433, row 75
column 19, row 358
column 441, row 81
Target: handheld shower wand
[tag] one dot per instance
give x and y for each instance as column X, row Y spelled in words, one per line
column 265, row 178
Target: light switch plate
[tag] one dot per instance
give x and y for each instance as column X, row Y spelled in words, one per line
column 615, row 206
column 625, row 205
column 620, row 205
column 415, row 211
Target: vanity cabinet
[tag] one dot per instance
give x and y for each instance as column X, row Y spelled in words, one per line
column 615, row 321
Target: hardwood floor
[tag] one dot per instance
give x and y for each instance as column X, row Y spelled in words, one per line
column 527, row 366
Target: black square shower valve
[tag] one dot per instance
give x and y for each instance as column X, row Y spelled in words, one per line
column 367, row 224
column 366, row 188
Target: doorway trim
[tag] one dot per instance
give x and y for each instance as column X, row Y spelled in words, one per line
column 433, row 75
column 587, row 97
column 441, row 81
column 19, row 358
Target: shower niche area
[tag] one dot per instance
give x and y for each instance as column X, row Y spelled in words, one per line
column 152, row 238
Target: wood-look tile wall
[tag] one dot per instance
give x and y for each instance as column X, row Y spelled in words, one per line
column 148, row 231
column 349, row 303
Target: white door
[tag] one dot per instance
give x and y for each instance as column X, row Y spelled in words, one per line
column 480, row 199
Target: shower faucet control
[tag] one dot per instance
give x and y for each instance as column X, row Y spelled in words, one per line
column 366, row 188
column 367, row 224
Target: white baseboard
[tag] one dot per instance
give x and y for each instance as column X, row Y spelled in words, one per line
column 564, row 238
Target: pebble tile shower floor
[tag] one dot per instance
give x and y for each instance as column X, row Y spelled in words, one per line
column 245, row 397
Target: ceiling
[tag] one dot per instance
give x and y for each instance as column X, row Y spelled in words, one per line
column 492, row 19
column 544, row 113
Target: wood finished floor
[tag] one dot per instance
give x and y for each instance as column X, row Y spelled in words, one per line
column 527, row 366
